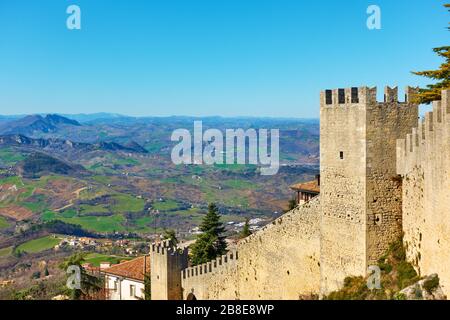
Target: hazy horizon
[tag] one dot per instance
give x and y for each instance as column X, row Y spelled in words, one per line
column 203, row 58
column 111, row 115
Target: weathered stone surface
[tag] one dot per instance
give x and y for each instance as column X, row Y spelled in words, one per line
column 360, row 211
column 361, row 199
column 424, row 163
column 418, row 291
column 279, row 262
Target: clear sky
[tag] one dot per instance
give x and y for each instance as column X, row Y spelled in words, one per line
column 208, row 57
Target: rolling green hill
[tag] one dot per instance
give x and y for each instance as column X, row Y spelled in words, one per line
column 38, row 245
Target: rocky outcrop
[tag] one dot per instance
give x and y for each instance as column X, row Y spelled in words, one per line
column 425, row 289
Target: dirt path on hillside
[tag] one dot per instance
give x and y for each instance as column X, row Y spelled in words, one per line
column 77, row 193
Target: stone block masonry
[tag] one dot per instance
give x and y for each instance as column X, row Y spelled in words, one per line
column 363, row 206
column 166, row 263
column 423, row 160
column 281, row 261
column 361, row 197
column 216, row 278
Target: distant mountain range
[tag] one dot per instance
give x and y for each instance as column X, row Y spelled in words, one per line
column 84, row 117
column 39, row 164
column 76, row 134
column 17, row 140
column 29, row 124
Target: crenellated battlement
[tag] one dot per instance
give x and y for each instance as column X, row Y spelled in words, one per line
column 423, row 161
column 363, row 96
column 417, row 145
column 166, row 263
column 238, row 274
column 165, row 247
column 220, row 262
column 363, row 207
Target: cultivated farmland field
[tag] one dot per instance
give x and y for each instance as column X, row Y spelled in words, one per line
column 38, row 245
column 96, row 258
column 3, row 223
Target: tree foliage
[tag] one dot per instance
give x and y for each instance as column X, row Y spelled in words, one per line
column 90, row 285
column 246, row 230
column 147, row 286
column 442, row 76
column 170, row 234
column 292, row 204
column 210, row 243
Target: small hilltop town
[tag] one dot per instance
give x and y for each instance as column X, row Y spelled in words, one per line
column 384, row 176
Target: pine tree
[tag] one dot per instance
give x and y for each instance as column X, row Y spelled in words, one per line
column 147, row 286
column 46, row 273
column 246, row 230
column 169, row 234
column 210, row 243
column 442, row 76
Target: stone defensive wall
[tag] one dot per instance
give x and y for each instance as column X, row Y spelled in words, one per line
column 423, row 160
column 213, row 279
column 281, row 261
column 363, row 96
column 360, row 195
column 166, row 263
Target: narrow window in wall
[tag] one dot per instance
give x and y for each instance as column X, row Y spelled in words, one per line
column 328, row 97
column 132, row 290
column 355, row 98
column 341, row 96
column 341, row 155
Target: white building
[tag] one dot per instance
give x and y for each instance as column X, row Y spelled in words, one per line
column 125, row 281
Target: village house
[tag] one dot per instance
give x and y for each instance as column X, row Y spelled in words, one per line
column 83, row 243
column 125, row 281
column 306, row 191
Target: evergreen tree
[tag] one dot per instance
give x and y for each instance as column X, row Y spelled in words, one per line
column 292, row 205
column 442, row 76
column 90, row 285
column 246, row 230
column 169, row 234
column 46, row 273
column 147, row 286
column 210, row 243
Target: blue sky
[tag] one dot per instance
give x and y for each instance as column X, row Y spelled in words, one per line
column 208, row 57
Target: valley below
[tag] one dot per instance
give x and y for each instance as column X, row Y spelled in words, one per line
column 111, row 178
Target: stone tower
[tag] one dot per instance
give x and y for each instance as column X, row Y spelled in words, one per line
column 166, row 263
column 360, row 190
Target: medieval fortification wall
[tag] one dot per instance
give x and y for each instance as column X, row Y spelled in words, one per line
column 363, row 207
column 361, row 197
column 279, row 262
column 424, row 163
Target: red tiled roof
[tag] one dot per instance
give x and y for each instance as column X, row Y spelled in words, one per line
column 311, row 186
column 133, row 269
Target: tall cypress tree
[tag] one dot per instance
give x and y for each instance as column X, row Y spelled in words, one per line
column 246, row 230
column 210, row 243
column 442, row 76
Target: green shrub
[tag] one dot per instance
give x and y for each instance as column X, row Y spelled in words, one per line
column 397, row 250
column 396, row 274
column 355, row 288
column 406, row 275
column 431, row 284
column 386, row 267
column 399, row 296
